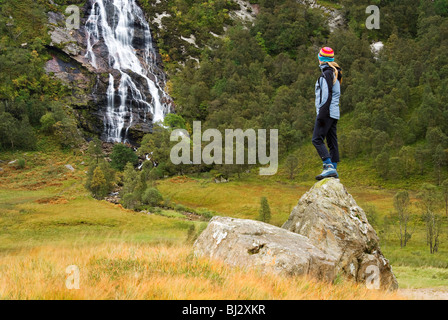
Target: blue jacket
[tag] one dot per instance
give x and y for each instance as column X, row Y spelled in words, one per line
column 327, row 94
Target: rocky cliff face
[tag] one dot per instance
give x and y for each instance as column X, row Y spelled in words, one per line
column 87, row 62
column 326, row 236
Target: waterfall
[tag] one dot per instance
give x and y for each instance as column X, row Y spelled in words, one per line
column 135, row 90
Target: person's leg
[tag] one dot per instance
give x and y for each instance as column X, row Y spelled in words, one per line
column 320, row 132
column 332, row 141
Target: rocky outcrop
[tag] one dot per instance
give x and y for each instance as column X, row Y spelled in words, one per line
column 254, row 244
column 335, row 18
column 69, row 65
column 332, row 221
column 326, row 236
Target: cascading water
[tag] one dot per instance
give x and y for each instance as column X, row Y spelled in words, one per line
column 121, row 26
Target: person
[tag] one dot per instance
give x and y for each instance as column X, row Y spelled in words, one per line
column 328, row 92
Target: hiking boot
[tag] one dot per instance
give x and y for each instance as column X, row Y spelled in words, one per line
column 329, row 172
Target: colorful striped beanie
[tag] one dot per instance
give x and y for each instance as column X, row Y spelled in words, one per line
column 326, row 54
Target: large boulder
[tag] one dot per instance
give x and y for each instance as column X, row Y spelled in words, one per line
column 254, row 244
column 332, row 221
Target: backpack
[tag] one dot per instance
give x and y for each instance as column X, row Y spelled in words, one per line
column 323, row 76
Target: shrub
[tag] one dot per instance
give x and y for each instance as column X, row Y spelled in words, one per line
column 121, row 155
column 21, row 163
column 47, row 122
column 130, row 201
column 152, row 197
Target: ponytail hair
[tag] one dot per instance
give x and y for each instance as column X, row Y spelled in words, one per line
column 337, row 71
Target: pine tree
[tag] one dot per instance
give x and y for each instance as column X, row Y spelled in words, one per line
column 265, row 211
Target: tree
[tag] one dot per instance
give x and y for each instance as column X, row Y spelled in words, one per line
column 371, row 214
column 174, row 121
column 291, row 165
column 433, row 228
column 95, row 149
column 130, row 179
column 100, row 179
column 265, row 211
column 98, row 185
column 445, row 195
column 421, row 156
column 382, row 164
column 407, row 160
column 439, row 160
column 429, row 199
column 401, row 205
column 67, row 132
column 121, row 155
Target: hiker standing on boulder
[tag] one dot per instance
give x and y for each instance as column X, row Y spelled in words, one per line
column 328, row 92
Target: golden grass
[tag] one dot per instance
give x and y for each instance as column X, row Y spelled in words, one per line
column 131, row 271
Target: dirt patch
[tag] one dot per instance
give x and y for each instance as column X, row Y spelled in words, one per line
column 180, row 179
column 40, row 185
column 424, row 294
column 193, row 216
column 52, row 200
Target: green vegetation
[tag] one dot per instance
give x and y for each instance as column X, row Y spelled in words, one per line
column 183, row 19
column 47, row 204
column 121, row 155
column 265, row 212
column 152, row 197
column 29, row 98
column 393, row 131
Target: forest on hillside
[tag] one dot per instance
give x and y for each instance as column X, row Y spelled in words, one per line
column 259, row 74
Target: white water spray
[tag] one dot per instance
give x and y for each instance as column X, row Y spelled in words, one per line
column 116, row 22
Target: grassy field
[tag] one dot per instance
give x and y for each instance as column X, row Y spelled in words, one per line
column 413, row 265
column 48, row 221
column 147, row 271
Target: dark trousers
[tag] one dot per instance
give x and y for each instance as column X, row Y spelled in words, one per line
column 326, row 130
